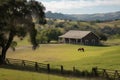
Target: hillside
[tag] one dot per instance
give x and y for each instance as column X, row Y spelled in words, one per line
column 85, row 17
column 109, row 28
column 110, row 24
column 49, row 14
column 98, row 16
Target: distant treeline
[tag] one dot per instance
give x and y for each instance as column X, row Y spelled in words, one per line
column 56, row 27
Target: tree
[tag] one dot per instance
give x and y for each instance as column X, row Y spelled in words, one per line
column 60, row 25
column 16, row 19
column 41, row 36
column 47, row 35
column 52, row 34
column 103, row 37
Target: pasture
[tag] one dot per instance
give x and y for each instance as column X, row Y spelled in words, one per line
column 9, row 74
column 68, row 56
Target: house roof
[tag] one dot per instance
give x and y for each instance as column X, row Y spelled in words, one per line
column 75, row 34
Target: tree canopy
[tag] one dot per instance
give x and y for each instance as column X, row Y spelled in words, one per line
column 47, row 35
column 17, row 18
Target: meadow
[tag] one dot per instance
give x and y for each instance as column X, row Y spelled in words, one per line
column 62, row 54
column 68, row 56
column 9, row 74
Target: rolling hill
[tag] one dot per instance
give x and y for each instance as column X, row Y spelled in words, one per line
column 49, row 14
column 85, row 17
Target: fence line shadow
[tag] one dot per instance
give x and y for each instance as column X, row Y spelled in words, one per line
column 24, row 65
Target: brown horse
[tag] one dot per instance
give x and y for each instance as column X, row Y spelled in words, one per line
column 81, row 49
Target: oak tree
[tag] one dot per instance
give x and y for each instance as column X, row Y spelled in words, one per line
column 18, row 18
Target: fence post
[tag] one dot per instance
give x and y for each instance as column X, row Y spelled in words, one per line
column 23, row 62
column 116, row 75
column 95, row 71
column 74, row 69
column 105, row 74
column 36, row 66
column 48, row 68
column 62, row 69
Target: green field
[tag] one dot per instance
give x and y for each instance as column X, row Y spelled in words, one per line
column 68, row 56
column 62, row 54
column 9, row 74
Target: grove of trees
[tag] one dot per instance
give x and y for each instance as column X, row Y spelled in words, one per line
column 103, row 32
column 47, row 35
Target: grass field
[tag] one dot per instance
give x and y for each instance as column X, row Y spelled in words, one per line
column 67, row 55
column 62, row 54
column 9, row 74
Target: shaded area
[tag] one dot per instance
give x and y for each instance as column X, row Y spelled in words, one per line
column 24, row 65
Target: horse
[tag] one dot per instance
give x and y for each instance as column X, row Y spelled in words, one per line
column 81, row 49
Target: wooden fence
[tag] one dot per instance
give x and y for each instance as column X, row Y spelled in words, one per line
column 109, row 74
column 105, row 74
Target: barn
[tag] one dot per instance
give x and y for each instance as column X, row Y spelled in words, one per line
column 79, row 37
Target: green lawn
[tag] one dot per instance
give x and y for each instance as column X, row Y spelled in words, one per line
column 9, row 74
column 67, row 55
column 113, row 42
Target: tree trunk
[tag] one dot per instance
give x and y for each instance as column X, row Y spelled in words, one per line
column 6, row 47
column 2, row 60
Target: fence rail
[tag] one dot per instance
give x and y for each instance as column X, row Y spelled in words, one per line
column 59, row 69
column 109, row 74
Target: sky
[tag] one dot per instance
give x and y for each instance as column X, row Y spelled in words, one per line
column 81, row 6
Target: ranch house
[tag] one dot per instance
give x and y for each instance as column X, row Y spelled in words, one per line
column 79, row 37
